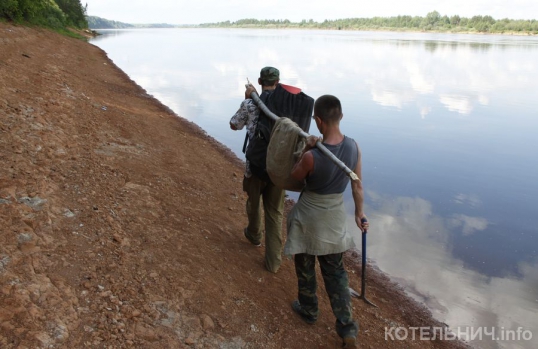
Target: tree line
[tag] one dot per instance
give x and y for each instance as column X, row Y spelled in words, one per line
column 95, row 22
column 433, row 21
column 56, row 14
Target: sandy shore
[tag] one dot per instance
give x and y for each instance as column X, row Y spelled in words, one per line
column 122, row 222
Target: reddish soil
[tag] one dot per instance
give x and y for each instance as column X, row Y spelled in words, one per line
column 122, row 222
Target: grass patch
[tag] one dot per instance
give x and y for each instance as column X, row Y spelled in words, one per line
column 71, row 34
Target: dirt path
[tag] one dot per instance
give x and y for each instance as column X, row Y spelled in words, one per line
column 121, row 223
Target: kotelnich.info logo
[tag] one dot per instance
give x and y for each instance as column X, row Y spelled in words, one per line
column 466, row 334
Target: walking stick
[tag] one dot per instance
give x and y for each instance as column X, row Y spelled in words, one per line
column 354, row 293
column 321, row 147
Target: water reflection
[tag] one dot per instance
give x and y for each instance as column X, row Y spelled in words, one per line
column 105, row 34
column 447, row 125
column 412, row 243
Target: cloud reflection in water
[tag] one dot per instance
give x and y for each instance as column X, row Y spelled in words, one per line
column 412, row 244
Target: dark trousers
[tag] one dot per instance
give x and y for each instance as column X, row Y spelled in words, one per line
column 336, row 284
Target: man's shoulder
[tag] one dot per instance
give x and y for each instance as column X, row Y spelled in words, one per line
column 350, row 142
column 246, row 102
column 247, row 111
column 349, row 139
column 246, row 107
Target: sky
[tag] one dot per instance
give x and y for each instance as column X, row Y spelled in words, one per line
column 207, row 11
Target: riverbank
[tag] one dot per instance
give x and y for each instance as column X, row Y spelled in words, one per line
column 122, row 223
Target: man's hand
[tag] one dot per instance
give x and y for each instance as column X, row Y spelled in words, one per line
column 249, row 90
column 362, row 222
column 311, row 142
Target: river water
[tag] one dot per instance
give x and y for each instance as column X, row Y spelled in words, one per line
column 448, row 128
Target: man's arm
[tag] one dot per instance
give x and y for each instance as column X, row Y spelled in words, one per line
column 305, row 165
column 240, row 118
column 358, row 195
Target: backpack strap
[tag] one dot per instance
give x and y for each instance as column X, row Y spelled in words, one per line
column 245, row 144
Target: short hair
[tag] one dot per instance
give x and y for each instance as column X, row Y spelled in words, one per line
column 328, row 108
column 268, row 82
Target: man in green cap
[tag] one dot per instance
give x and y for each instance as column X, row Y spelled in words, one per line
column 255, row 184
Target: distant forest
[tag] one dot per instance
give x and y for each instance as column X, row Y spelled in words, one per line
column 432, row 22
column 101, row 23
column 95, row 22
column 56, row 14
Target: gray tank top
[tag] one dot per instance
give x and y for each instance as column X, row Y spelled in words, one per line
column 327, row 178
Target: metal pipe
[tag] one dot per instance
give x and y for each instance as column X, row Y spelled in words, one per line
column 319, row 145
column 354, row 293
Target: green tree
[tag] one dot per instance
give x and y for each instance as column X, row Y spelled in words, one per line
column 44, row 12
column 432, row 18
column 444, row 21
column 9, row 9
column 41, row 12
column 455, row 20
column 74, row 11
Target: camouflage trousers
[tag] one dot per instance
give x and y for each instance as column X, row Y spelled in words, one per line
column 271, row 198
column 336, row 284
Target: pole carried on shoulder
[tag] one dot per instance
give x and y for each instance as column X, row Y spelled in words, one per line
column 352, row 175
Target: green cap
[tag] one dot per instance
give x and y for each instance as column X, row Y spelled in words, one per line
column 269, row 74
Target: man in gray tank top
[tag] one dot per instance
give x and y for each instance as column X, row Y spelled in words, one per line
column 317, row 223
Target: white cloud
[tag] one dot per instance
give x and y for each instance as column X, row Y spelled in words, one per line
column 459, row 104
column 418, row 80
column 469, row 224
column 471, row 200
column 424, row 111
column 484, row 100
column 391, row 98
